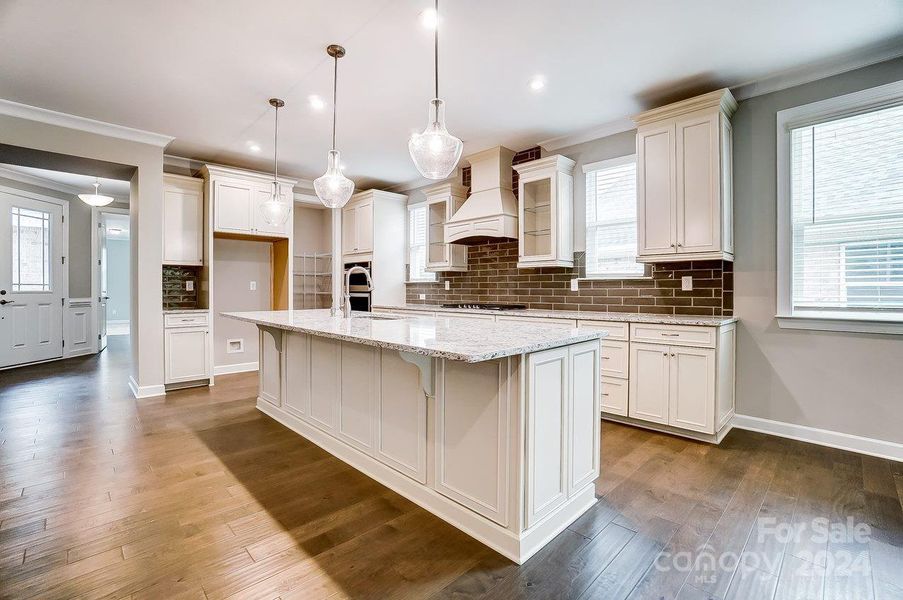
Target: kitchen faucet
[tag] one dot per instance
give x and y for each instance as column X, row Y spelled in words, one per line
column 346, row 306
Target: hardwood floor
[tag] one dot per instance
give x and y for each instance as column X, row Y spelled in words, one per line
column 198, row 495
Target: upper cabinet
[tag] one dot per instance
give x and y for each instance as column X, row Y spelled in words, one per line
column 443, row 200
column 684, row 183
column 183, row 220
column 237, row 196
column 545, row 212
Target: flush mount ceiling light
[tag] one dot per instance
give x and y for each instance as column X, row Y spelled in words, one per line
column 275, row 212
column 333, row 188
column 435, row 151
column 96, row 199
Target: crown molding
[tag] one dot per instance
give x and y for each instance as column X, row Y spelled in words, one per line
column 59, row 119
column 600, row 131
column 49, row 184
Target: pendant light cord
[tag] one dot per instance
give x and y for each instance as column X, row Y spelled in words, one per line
column 436, row 48
column 335, row 94
column 276, row 149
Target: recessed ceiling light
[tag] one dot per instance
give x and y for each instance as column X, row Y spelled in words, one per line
column 428, row 18
column 253, row 147
column 537, row 83
column 316, row 102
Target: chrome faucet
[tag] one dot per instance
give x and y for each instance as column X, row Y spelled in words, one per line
column 346, row 306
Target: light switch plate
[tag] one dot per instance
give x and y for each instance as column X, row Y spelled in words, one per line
column 447, row 284
column 575, row 285
column 189, row 286
column 253, row 286
column 686, row 283
column 422, row 296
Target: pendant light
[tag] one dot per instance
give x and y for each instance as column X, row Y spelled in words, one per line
column 333, row 188
column 96, row 199
column 435, row 152
column 275, row 212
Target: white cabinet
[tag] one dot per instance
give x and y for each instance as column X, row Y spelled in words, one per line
column 650, row 382
column 357, row 229
column 545, row 212
column 237, row 197
column 613, row 365
column 443, row 201
column 186, row 351
column 684, row 181
column 183, row 220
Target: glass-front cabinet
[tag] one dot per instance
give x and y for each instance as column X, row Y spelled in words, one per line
column 443, row 200
column 545, row 212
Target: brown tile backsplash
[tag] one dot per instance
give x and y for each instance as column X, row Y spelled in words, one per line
column 493, row 276
column 174, row 293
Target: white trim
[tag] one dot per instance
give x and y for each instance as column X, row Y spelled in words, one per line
column 822, row 437
column 59, row 119
column 96, row 212
column 147, row 391
column 801, row 116
column 308, row 200
column 846, row 325
column 609, row 163
column 236, row 368
column 587, row 135
column 13, row 174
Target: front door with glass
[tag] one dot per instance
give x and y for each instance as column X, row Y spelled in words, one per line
column 31, row 280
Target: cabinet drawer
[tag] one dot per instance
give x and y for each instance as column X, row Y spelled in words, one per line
column 615, row 358
column 186, row 320
column 679, row 335
column 568, row 322
column 616, row 330
column 614, row 396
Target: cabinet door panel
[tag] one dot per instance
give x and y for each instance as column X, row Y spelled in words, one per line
column 547, row 400
column 360, row 373
column 401, row 417
column 187, row 354
column 183, row 218
column 297, row 373
column 363, row 224
column 325, row 361
column 349, row 230
column 583, row 416
column 655, row 190
column 692, row 402
column 270, row 367
column 698, row 181
column 232, row 206
column 649, row 382
column 614, row 396
column 262, row 194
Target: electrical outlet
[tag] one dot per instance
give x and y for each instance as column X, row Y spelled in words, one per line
column 575, row 285
column 253, row 286
column 189, row 286
column 447, row 284
column 686, row 283
column 422, row 296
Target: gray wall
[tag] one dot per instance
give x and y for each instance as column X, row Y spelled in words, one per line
column 312, row 230
column 118, row 280
column 844, row 382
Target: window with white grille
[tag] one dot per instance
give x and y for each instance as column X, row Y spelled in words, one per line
column 417, row 244
column 611, row 219
column 841, row 208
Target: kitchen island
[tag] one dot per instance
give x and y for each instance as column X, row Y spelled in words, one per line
column 493, row 427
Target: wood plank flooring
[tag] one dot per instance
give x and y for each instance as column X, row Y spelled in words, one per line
column 198, row 495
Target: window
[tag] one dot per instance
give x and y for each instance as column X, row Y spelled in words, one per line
column 611, row 219
column 417, row 245
column 841, row 209
column 31, row 250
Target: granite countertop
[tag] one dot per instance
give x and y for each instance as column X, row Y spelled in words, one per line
column 573, row 314
column 467, row 340
column 180, row 311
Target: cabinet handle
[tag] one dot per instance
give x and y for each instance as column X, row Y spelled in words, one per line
column 664, row 354
column 670, row 335
column 672, row 354
column 606, row 358
column 606, row 395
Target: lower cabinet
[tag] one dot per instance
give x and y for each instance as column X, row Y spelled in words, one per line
column 614, row 396
column 186, row 354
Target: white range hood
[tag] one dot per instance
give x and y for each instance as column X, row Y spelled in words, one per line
column 491, row 209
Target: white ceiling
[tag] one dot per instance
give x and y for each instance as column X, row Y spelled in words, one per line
column 202, row 71
column 70, row 182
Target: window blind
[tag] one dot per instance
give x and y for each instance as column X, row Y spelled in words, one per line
column 611, row 221
column 417, row 245
column 847, row 213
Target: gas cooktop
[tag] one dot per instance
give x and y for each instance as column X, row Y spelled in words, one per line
column 487, row 306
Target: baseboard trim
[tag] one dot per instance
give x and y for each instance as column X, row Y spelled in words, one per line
column 236, row 368
column 147, row 391
column 822, row 437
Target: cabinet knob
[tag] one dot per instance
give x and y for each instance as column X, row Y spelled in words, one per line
column 664, row 354
column 679, row 245
column 672, row 245
column 672, row 354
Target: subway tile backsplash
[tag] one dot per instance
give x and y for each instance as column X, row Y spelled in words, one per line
column 175, row 296
column 493, row 276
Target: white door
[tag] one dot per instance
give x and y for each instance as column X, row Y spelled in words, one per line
column 103, row 295
column 649, row 382
column 692, row 402
column 655, row 191
column 31, row 280
column 698, row 183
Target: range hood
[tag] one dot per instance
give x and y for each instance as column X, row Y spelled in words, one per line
column 491, row 210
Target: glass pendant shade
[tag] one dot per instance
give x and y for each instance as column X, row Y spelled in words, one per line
column 274, row 211
column 333, row 188
column 435, row 152
column 95, row 199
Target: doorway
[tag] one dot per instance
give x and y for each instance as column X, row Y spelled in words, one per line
column 113, row 273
